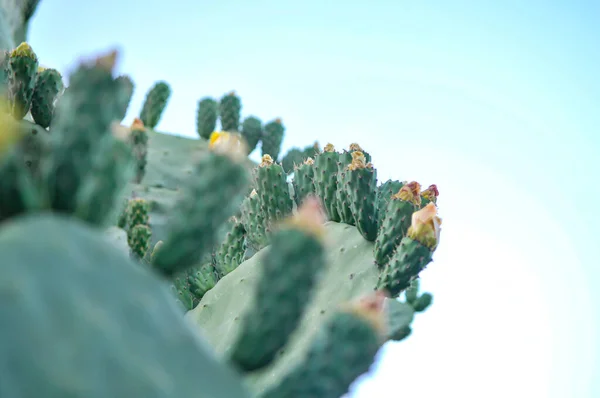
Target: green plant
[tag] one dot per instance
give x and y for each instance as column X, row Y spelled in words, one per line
column 126, row 87
column 252, row 132
column 230, row 109
column 273, row 138
column 206, row 117
column 155, row 104
column 138, row 139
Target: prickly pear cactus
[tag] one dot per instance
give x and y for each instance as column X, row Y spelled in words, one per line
column 155, row 104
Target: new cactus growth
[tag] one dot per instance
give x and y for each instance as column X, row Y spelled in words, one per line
column 394, row 226
column 206, row 117
column 125, row 94
column 273, row 138
column 385, row 192
column 48, row 86
column 414, row 252
column 252, row 132
column 273, row 191
column 304, row 180
column 230, row 109
column 326, row 171
column 22, row 73
column 138, row 210
column 139, row 142
column 138, row 239
column 232, row 251
column 254, row 221
column 155, row 104
column 292, row 265
column 360, row 183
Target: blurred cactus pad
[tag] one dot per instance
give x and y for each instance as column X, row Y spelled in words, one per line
column 137, row 263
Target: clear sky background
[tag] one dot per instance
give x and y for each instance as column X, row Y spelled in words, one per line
column 497, row 102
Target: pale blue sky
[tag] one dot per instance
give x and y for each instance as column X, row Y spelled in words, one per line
column 497, row 102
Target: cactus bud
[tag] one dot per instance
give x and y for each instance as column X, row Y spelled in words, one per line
column 409, row 193
column 329, row 148
column 426, row 226
column 266, row 160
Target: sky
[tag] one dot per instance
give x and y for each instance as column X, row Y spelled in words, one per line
column 498, row 103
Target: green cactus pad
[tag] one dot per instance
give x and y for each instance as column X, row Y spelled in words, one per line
column 404, row 266
column 273, row 192
column 344, row 349
column 361, row 189
column 294, row 157
column 48, row 86
column 349, row 273
column 138, row 140
column 304, row 181
column 384, row 194
column 254, row 222
column 22, row 74
column 290, row 269
column 138, row 239
column 155, row 104
column 125, row 93
column 69, row 294
column 231, row 252
column 326, row 169
column 230, row 108
column 252, row 132
column 341, row 196
column 206, row 117
column 272, row 139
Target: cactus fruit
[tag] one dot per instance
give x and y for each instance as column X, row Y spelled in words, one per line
column 216, row 187
column 155, row 104
column 360, row 183
column 230, row 108
column 124, row 98
column 344, row 349
column 48, row 86
column 252, row 132
column 393, row 228
column 232, row 251
column 138, row 140
column 22, row 74
column 293, row 265
column 303, row 182
column 414, row 252
column 206, row 117
column 273, row 138
column 326, row 180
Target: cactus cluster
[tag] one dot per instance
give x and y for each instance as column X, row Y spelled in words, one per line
column 228, row 111
column 56, row 260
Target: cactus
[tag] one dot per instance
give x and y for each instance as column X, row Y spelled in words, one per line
column 304, row 180
column 155, row 104
column 272, row 138
column 230, row 108
column 22, row 74
column 125, row 94
column 139, row 142
column 206, row 117
column 286, row 322
column 294, row 157
column 48, row 86
column 252, row 132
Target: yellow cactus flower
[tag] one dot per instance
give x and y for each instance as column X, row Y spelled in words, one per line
column 371, row 308
column 355, row 147
column 229, row 144
column 410, row 192
column 266, row 160
column 358, row 161
column 329, row 148
column 41, row 69
column 309, row 161
column 426, row 226
column 23, row 50
column 310, row 218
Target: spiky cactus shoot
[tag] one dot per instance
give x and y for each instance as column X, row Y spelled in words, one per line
column 138, row 239
column 252, row 132
column 206, row 117
column 230, row 109
column 384, row 193
column 231, row 252
column 291, row 269
column 360, row 183
column 125, row 94
column 326, row 180
column 48, row 86
column 254, row 221
column 22, row 74
column 344, row 349
column 273, row 138
column 414, row 252
column 155, row 104
column 138, row 140
column 304, row 180
column 394, row 226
